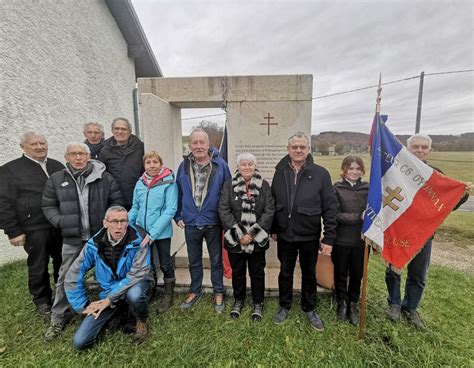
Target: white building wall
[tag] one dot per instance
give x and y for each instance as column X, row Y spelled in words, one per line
column 63, row 63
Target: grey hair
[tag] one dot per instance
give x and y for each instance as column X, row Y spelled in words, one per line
column 84, row 146
column 424, row 137
column 198, row 130
column 30, row 134
column 246, row 156
column 129, row 126
column 298, row 135
column 114, row 208
column 92, row 123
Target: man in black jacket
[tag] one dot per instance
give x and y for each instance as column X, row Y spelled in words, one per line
column 21, row 187
column 303, row 195
column 75, row 200
column 123, row 156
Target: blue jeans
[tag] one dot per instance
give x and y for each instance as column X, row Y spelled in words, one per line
column 194, row 237
column 137, row 298
column 415, row 283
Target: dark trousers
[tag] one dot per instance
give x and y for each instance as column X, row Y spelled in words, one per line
column 256, row 264
column 40, row 245
column 166, row 264
column 348, row 261
column 287, row 255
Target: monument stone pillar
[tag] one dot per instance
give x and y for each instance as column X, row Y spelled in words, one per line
column 262, row 112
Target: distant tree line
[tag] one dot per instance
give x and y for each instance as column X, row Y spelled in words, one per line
column 341, row 143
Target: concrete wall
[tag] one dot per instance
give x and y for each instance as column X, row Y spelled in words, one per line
column 160, row 123
column 63, row 63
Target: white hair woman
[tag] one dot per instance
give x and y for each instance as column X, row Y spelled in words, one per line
column 246, row 210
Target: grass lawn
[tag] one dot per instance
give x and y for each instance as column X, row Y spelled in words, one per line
column 202, row 338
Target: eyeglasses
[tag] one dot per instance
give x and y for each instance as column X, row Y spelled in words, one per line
column 294, row 148
column 74, row 154
column 120, row 129
column 116, row 222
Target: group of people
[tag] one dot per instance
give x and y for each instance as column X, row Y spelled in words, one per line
column 111, row 207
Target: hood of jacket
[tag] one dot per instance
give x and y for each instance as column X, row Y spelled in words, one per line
column 98, row 168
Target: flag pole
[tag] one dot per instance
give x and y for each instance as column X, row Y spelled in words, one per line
column 363, row 309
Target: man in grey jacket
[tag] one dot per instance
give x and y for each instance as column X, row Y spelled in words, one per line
column 75, row 200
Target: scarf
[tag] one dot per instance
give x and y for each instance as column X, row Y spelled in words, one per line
column 150, row 181
column 248, row 194
column 80, row 175
column 95, row 148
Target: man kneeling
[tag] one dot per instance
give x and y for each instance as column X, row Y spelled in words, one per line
column 123, row 271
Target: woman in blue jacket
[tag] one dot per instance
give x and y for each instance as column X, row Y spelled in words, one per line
column 155, row 201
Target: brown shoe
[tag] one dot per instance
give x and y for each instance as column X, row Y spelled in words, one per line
column 141, row 332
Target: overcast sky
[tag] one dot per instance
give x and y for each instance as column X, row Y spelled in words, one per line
column 343, row 44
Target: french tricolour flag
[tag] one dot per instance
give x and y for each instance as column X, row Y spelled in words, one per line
column 408, row 200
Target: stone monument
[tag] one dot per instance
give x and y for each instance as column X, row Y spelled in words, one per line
column 262, row 112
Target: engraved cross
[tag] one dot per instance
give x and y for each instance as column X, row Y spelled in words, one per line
column 268, row 117
column 392, row 194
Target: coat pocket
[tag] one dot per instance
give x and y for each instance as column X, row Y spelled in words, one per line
column 308, row 211
column 307, row 220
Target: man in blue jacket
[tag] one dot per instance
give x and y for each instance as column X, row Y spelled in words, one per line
column 200, row 178
column 124, row 273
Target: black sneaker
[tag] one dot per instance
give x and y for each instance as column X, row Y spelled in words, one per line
column 414, row 318
column 315, row 321
column 237, row 309
column 44, row 309
column 281, row 315
column 341, row 312
column 393, row 312
column 257, row 313
column 354, row 313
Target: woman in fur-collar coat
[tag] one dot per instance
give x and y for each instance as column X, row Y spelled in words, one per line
column 246, row 210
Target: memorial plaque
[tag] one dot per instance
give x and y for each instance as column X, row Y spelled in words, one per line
column 263, row 128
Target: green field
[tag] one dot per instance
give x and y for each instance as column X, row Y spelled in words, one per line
column 457, row 165
column 201, row 337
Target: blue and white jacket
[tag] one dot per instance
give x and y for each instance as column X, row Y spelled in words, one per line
column 134, row 266
column 154, row 208
column 208, row 213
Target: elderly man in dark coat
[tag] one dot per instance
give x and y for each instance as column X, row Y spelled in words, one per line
column 21, row 187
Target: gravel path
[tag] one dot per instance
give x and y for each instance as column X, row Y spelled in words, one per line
column 9, row 253
column 452, row 256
